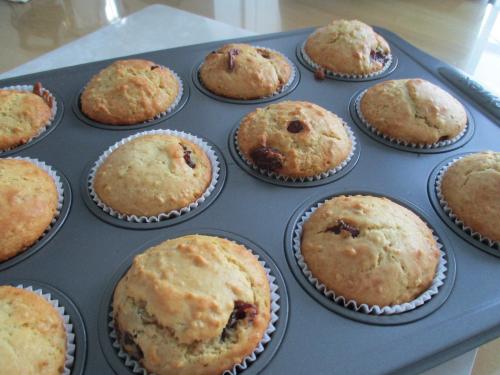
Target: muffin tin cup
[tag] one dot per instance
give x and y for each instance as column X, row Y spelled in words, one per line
column 326, row 177
column 304, row 58
column 76, row 341
column 62, row 211
column 442, row 146
column 292, row 83
column 424, row 304
column 445, row 212
column 166, row 218
column 122, row 363
column 55, row 118
column 176, row 106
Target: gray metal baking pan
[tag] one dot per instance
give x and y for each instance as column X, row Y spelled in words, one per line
column 86, row 251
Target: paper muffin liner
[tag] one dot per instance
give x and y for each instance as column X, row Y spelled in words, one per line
column 283, row 88
column 59, row 187
column 447, row 209
column 29, row 88
column 437, row 282
column 136, row 367
column 378, row 133
column 212, row 156
column 332, row 74
column 317, row 177
column 68, row 327
column 172, row 106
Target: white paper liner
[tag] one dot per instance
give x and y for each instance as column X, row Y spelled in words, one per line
column 357, row 105
column 59, row 187
column 293, row 73
column 447, row 209
column 138, row 369
column 284, row 178
column 156, row 117
column 29, row 88
column 332, row 74
column 70, row 335
column 212, row 156
column 365, row 308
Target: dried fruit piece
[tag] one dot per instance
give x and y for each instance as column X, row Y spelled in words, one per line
column 379, row 57
column 155, row 67
column 295, row 126
column 343, row 226
column 187, row 156
column 37, row 89
column 267, row 158
column 242, row 310
column 319, row 74
column 264, row 53
column 231, row 61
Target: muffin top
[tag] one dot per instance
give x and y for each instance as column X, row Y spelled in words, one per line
column 32, row 334
column 22, row 115
column 293, row 138
column 129, row 92
column 471, row 187
column 370, row 250
column 241, row 71
column 28, row 198
column 348, row 47
column 192, row 305
column 414, row 111
column 153, row 174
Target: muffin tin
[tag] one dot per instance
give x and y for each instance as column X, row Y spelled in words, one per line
column 82, row 257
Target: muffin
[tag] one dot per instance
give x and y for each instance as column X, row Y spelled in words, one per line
column 370, row 250
column 348, row 47
column 413, row 111
column 193, row 305
column 294, row 139
column 28, row 198
column 471, row 188
column 241, row 71
column 32, row 334
column 129, row 92
column 23, row 115
column 153, row 174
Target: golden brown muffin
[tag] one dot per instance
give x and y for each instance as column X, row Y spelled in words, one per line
column 348, row 47
column 241, row 71
column 129, row 92
column 22, row 115
column 194, row 305
column 370, row 250
column 28, row 201
column 292, row 138
column 153, row 174
column 471, row 187
column 414, row 111
column 32, row 334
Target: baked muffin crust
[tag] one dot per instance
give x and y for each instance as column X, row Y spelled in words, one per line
column 370, row 250
column 241, row 71
column 294, row 138
column 414, row 111
column 129, row 92
column 192, row 305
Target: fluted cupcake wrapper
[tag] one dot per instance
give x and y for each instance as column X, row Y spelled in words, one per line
column 378, row 133
column 212, row 156
column 447, row 209
column 29, row 88
column 317, row 177
column 332, row 74
column 68, row 327
column 437, row 282
column 136, row 367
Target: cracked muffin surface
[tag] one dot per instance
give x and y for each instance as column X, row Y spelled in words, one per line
column 28, row 201
column 370, row 250
column 294, row 138
column 153, row 174
column 414, row 111
column 348, row 47
column 192, row 305
column 241, row 71
column 471, row 187
column 32, row 334
column 129, row 92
